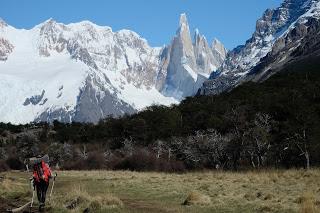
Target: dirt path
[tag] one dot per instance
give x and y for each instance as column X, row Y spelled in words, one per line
column 6, row 204
column 32, row 210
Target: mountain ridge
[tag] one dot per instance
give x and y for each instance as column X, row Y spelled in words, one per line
column 271, row 32
column 114, row 73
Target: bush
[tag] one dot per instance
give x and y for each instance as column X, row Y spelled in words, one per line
column 3, row 166
column 74, row 165
column 140, row 160
column 170, row 166
column 14, row 163
column 94, row 161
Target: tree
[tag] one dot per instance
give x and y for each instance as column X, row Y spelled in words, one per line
column 159, row 148
column 299, row 140
column 258, row 139
column 239, row 121
column 27, row 145
column 127, row 146
column 216, row 147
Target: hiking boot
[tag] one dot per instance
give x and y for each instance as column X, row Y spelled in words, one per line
column 41, row 207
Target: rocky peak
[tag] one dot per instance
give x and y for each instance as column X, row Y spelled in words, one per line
column 274, row 21
column 180, row 63
column 198, row 38
column 50, row 26
column 205, row 60
column 183, row 21
column 51, row 37
column 219, row 50
column 132, row 39
column 217, row 45
column 183, row 37
column 187, row 63
column 50, row 21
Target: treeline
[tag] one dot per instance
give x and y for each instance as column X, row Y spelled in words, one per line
column 272, row 124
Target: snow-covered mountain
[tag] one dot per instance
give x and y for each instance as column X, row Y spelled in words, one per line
column 84, row 72
column 279, row 33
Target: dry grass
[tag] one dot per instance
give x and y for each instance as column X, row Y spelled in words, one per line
column 77, row 199
column 13, row 185
column 308, row 203
column 123, row 191
column 196, row 198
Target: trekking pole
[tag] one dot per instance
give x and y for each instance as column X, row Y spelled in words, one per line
column 54, row 178
column 33, row 190
column 32, row 199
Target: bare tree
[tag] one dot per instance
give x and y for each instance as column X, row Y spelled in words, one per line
column 207, row 148
column 67, row 152
column 238, row 118
column 107, row 155
column 217, row 148
column 84, row 153
column 300, row 141
column 128, row 146
column 191, row 149
column 257, row 139
column 159, row 148
column 185, row 149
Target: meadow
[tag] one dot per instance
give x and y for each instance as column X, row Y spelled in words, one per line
column 212, row 191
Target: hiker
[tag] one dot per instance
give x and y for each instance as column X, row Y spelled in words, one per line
column 41, row 176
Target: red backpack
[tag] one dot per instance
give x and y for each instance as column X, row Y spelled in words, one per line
column 41, row 171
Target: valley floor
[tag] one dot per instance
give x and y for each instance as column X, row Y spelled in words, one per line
column 123, row 191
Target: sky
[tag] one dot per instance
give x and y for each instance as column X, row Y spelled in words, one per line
column 231, row 21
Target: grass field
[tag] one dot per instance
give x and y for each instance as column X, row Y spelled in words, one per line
column 123, row 191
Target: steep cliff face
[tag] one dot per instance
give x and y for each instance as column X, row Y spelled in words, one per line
column 188, row 64
column 270, row 36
